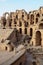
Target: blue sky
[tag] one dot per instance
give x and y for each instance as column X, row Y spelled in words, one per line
column 12, row 5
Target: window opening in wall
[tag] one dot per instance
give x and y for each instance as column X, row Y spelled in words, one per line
column 5, row 48
column 26, row 24
column 38, row 15
column 32, row 16
column 31, row 22
column 22, row 16
column 20, row 23
column 10, row 23
column 32, row 19
column 16, row 16
column 20, row 30
column 4, row 22
column 15, row 21
column 31, row 32
column 9, row 43
column 25, row 30
column 36, row 20
column 38, row 38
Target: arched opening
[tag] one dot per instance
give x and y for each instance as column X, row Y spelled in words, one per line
column 5, row 48
column 22, row 15
column 32, row 16
column 6, row 14
column 4, row 24
column 38, row 38
column 16, row 16
column 15, row 21
column 25, row 24
column 3, row 19
column 31, row 32
column 32, row 19
column 37, row 15
column 36, row 20
column 25, row 30
column 20, row 23
column 10, row 23
column 41, row 26
column 20, row 30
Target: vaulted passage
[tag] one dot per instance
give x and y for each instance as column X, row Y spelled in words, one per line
column 38, row 38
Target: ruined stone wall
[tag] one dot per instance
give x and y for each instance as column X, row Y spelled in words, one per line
column 18, row 19
column 25, row 23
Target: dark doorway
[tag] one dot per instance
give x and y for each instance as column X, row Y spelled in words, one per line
column 20, row 30
column 20, row 23
column 5, row 48
column 25, row 30
column 31, row 32
column 38, row 38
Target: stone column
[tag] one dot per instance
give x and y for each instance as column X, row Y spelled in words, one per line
column 42, row 39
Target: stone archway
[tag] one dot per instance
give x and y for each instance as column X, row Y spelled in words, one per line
column 6, row 14
column 38, row 38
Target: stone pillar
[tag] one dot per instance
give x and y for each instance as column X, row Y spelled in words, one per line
column 33, row 37
column 13, row 23
column 42, row 39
